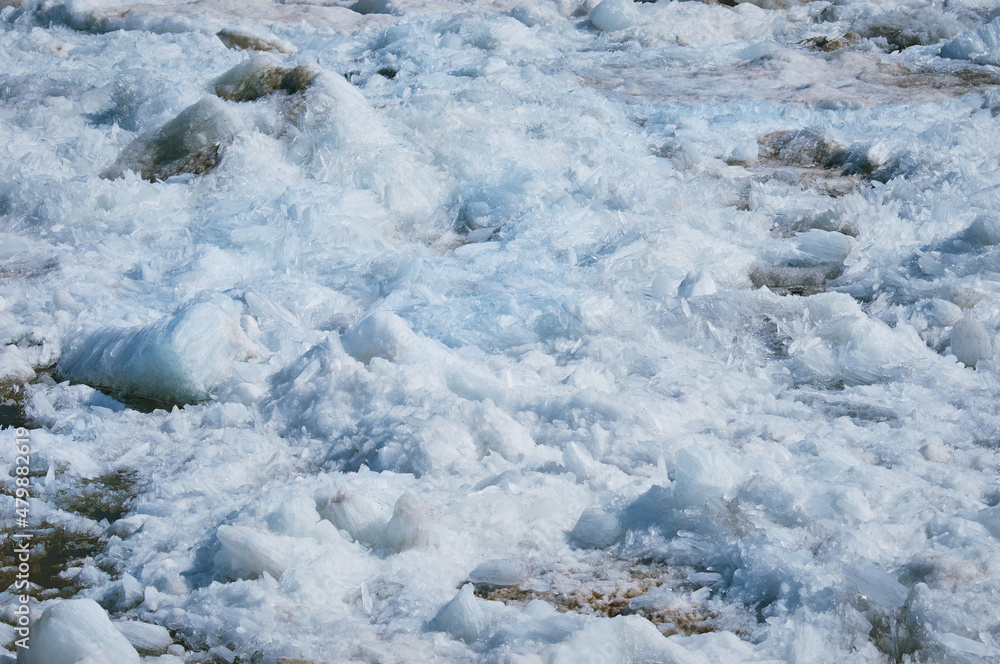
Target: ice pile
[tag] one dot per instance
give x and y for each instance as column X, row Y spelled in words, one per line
column 981, row 45
column 559, row 331
column 180, row 359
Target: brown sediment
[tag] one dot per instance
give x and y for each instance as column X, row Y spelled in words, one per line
column 609, row 592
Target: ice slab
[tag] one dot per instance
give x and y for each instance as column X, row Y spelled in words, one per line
column 75, row 631
column 180, row 359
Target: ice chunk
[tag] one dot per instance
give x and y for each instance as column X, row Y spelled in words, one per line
column 990, row 517
column 258, row 76
column 296, row 516
column 614, row 15
column 74, row 631
column 624, row 639
column 965, row 645
column 595, row 529
column 904, row 28
column 411, row 523
column 970, row 342
column 146, row 638
column 501, row 573
column 875, row 585
column 382, row 334
column 190, row 143
column 181, row 359
column 981, row 45
column 695, row 284
column 984, row 231
column 126, row 593
column 940, row 313
column 463, row 617
column 819, row 247
column 355, row 514
column 701, row 474
column 250, row 553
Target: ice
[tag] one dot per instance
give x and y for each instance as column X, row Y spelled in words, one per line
column 499, row 573
column 247, row 553
column 970, row 342
column 382, row 334
column 695, row 284
column 981, row 45
column 412, row 523
column 147, row 639
column 875, row 585
column 355, row 514
column 595, row 529
column 466, row 617
column 180, row 359
column 679, row 309
column 74, row 631
column 613, row 15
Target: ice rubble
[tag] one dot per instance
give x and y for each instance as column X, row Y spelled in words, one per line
column 981, row 45
column 475, row 308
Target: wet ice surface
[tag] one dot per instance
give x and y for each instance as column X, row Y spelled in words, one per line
column 659, row 332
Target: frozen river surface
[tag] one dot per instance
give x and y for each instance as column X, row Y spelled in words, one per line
column 553, row 332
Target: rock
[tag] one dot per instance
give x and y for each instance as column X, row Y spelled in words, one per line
column 258, row 76
column 803, row 148
column 74, row 631
column 253, row 41
column 190, row 143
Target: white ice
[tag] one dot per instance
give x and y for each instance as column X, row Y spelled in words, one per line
column 502, row 331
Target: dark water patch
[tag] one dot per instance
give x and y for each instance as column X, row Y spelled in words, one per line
column 53, row 549
column 109, row 496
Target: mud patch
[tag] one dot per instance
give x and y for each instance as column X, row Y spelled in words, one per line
column 109, row 496
column 675, row 601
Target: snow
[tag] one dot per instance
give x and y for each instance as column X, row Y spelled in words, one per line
column 477, row 331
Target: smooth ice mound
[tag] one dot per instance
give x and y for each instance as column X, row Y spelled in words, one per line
column 181, row 359
column 614, row 15
column 76, row 631
column 981, row 45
